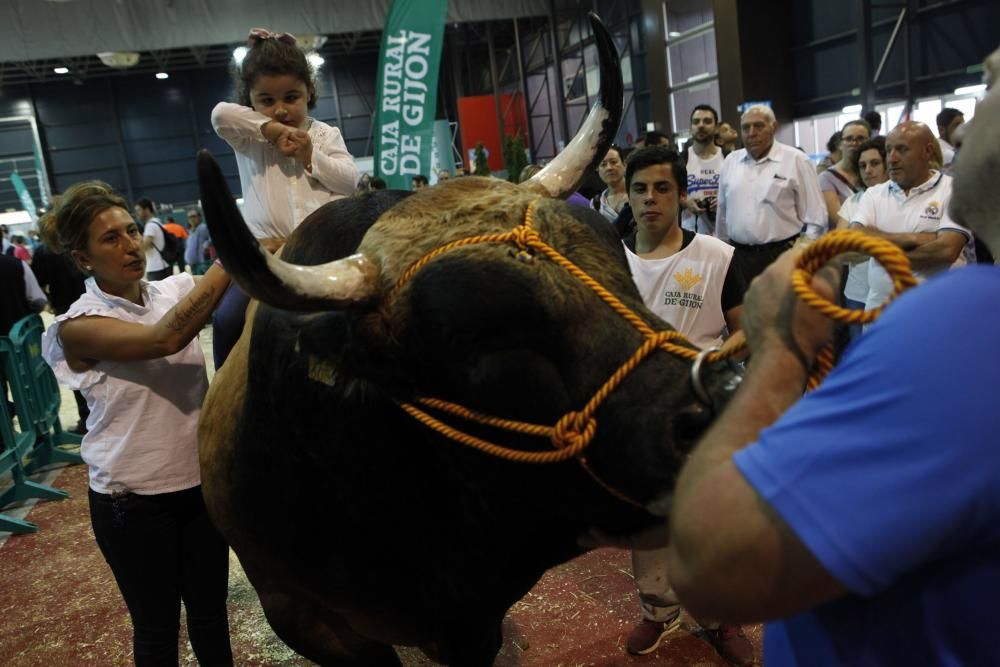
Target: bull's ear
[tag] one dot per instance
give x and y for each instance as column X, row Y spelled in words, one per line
column 561, row 177
column 265, row 277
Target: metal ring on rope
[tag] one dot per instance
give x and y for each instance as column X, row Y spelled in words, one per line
column 696, row 383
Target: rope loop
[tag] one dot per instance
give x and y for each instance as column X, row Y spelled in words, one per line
column 837, row 242
column 574, row 431
column 840, row 241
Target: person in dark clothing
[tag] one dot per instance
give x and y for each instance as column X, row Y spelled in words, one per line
column 19, row 296
column 58, row 278
column 63, row 283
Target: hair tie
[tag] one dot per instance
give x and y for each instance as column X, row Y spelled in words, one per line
column 258, row 35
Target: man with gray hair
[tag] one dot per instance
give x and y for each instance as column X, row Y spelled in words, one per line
column 863, row 519
column 768, row 196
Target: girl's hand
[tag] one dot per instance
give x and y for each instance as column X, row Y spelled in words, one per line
column 302, row 142
column 273, row 131
column 281, row 137
column 287, row 144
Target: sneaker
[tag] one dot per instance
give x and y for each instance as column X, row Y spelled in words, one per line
column 730, row 642
column 648, row 635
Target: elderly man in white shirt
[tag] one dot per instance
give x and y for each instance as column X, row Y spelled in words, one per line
column 911, row 210
column 768, row 195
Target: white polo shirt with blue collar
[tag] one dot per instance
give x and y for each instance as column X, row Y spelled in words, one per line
column 888, row 208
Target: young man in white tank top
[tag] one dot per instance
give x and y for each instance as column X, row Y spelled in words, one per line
column 684, row 277
column 688, row 280
column 704, row 162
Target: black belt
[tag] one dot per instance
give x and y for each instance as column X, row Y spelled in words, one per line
column 764, row 246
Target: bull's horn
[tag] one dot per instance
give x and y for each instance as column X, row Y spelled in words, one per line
column 265, row 277
column 563, row 174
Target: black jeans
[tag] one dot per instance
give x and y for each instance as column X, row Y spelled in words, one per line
column 751, row 260
column 163, row 548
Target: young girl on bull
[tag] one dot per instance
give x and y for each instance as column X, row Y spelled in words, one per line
column 289, row 164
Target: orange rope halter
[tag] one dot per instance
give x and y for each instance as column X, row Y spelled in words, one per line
column 575, row 430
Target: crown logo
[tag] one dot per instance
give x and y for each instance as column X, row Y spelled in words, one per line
column 688, row 279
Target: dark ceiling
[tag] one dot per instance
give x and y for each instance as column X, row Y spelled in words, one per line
column 168, row 60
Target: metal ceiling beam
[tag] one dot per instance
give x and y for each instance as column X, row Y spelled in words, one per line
column 57, row 30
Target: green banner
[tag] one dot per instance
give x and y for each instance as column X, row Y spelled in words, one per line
column 22, row 193
column 412, row 41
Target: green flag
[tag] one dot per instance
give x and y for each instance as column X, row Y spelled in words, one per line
column 22, row 193
column 412, row 41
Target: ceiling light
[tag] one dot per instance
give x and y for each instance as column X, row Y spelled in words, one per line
column 61, row 70
column 239, row 53
column 971, row 90
column 310, row 42
column 315, row 60
column 852, row 108
column 162, row 75
column 119, row 59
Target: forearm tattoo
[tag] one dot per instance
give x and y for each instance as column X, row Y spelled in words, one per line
column 183, row 316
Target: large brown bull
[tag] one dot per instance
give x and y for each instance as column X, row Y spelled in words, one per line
column 360, row 527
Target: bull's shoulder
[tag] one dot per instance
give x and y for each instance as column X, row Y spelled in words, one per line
column 335, row 229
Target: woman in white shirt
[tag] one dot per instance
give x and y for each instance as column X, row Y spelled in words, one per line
column 870, row 167
column 131, row 348
column 289, row 164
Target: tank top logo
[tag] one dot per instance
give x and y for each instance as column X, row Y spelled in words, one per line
column 684, row 297
column 706, row 180
column 688, row 279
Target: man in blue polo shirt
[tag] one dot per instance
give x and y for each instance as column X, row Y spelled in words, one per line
column 863, row 519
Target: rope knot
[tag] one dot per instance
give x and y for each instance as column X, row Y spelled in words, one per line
column 574, row 430
column 524, row 236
